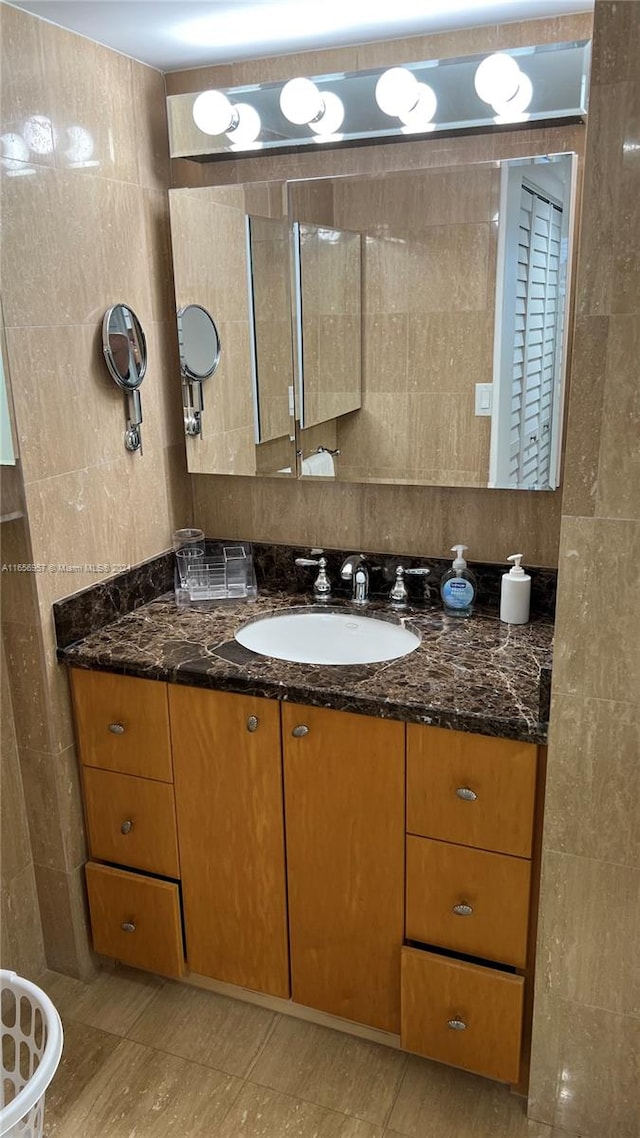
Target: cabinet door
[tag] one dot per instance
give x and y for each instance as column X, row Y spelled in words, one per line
column 344, row 796
column 228, row 787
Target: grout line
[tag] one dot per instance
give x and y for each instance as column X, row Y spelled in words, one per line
column 396, row 1096
column 144, row 1010
column 276, row 1019
column 297, row 1097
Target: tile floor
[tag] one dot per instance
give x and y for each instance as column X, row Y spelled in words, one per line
column 148, row 1058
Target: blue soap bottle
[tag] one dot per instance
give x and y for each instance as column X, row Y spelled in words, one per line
column 458, row 586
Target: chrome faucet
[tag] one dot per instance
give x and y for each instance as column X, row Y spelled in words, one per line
column 354, row 568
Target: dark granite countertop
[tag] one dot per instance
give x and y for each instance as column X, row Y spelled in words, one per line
column 474, row 674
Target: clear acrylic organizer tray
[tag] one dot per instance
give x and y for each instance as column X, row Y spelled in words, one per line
column 226, row 574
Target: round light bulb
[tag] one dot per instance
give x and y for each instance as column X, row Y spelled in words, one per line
column 300, row 101
column 497, row 78
column 513, row 110
column 81, row 145
column 332, row 117
column 38, row 134
column 213, row 113
column 248, row 125
column 397, row 91
column 421, row 115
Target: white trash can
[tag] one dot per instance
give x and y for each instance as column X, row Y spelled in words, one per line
column 31, row 1050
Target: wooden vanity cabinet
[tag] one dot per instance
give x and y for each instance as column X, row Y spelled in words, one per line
column 344, row 807
column 228, row 784
column 124, row 742
column 470, row 838
column 379, row 872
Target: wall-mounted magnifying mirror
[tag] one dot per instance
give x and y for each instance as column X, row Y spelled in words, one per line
column 200, row 348
column 125, row 352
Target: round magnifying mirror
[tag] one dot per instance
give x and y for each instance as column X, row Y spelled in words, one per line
column 199, row 340
column 124, row 346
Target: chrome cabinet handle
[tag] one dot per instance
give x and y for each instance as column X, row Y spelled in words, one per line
column 126, row 826
column 116, row 728
column 299, row 731
column 463, row 910
column 457, row 1024
column 252, row 723
column 466, row 794
column 128, row 926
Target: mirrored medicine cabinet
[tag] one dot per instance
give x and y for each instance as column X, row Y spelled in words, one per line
column 407, row 328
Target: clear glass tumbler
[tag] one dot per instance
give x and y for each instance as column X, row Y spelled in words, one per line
column 188, row 559
column 186, row 541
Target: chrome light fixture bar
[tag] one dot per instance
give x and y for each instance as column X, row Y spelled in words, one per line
column 518, row 87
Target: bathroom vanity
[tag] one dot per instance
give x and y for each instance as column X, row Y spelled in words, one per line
column 362, row 841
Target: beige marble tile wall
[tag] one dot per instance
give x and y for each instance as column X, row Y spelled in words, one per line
column 85, row 225
column 586, row 1038
column 21, row 943
column 413, row 519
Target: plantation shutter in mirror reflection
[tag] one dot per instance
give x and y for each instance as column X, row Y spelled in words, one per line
column 536, row 340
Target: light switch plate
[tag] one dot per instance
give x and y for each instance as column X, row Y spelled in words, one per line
column 484, row 398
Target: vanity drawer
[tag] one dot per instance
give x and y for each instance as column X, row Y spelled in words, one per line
column 149, row 908
column 131, row 821
column 462, row 1014
column 122, row 723
column 471, row 789
column 441, row 877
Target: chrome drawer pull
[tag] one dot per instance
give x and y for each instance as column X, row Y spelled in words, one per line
column 299, row 731
column 457, row 1024
column 466, row 794
column 463, row 910
column 116, row 728
column 126, row 826
column 128, row 927
column 252, row 723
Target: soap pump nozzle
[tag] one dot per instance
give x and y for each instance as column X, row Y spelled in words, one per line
column 459, row 561
column 516, row 570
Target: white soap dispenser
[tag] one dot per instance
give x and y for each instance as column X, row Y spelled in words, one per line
column 515, row 593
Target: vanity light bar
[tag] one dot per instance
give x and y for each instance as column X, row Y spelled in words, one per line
column 523, row 86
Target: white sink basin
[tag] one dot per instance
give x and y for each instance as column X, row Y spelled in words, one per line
column 328, row 638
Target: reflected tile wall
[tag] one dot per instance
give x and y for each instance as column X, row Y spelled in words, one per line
column 428, row 275
column 586, row 1039
column 208, row 226
column 85, row 226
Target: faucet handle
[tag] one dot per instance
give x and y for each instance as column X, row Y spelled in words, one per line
column 421, row 571
column 322, row 584
column 399, row 594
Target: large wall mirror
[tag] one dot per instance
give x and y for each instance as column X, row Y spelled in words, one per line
column 408, row 327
